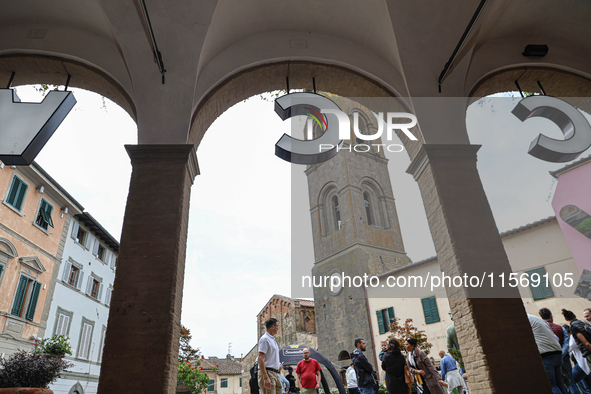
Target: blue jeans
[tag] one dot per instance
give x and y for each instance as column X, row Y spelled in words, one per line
column 569, row 371
column 553, row 364
column 580, row 376
column 366, row 390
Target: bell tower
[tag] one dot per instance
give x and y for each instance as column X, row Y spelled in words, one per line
column 355, row 231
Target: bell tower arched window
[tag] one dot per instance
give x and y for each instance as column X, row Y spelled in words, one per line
column 362, row 126
column 336, row 213
column 367, row 204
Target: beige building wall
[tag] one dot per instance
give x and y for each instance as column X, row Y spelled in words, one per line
column 539, row 244
column 36, row 254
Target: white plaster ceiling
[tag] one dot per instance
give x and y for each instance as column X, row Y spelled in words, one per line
column 401, row 45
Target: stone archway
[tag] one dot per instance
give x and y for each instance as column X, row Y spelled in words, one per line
column 34, row 69
column 269, row 77
column 556, row 82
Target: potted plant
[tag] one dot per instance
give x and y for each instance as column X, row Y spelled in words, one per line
column 30, row 372
column 58, row 345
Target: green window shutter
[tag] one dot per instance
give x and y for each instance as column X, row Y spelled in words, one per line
column 21, row 196
column 391, row 316
column 542, row 291
column 211, row 385
column 47, row 214
column 16, row 195
column 33, row 302
column 20, row 296
column 13, row 191
column 381, row 322
column 224, row 382
column 427, row 310
column 434, row 310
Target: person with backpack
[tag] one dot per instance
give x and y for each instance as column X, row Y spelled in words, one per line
column 254, row 381
column 581, row 332
column 363, row 369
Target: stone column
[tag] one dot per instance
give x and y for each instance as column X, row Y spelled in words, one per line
column 495, row 336
column 142, row 340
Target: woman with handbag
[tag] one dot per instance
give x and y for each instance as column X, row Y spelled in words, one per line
column 427, row 378
column 394, row 364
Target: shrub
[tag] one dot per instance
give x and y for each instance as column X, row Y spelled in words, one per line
column 59, row 345
column 24, row 369
column 192, row 377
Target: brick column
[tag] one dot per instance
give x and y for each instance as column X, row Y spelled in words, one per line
column 142, row 340
column 495, row 336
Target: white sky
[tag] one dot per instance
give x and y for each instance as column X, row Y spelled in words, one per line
column 240, row 235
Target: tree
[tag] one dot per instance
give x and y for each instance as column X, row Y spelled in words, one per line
column 401, row 332
column 189, row 372
column 186, row 352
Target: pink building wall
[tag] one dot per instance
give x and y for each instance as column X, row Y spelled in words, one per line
column 574, row 187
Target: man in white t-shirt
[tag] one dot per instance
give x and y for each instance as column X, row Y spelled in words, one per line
column 269, row 380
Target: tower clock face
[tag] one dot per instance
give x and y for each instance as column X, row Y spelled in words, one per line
column 336, row 285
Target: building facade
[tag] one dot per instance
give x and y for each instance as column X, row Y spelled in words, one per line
column 34, row 212
column 538, row 247
column 296, row 320
column 80, row 305
column 225, row 375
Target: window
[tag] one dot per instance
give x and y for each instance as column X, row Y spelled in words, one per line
column 240, row 382
column 542, row 291
column 25, row 299
column 430, row 310
column 368, row 209
column 108, row 296
column 100, row 253
column 385, row 318
column 211, row 385
column 43, row 219
column 16, row 194
column 7, row 253
column 99, row 250
column 337, row 213
column 360, row 122
column 62, row 322
column 94, row 287
column 80, row 236
column 73, row 274
column 224, row 382
column 102, row 348
column 85, row 339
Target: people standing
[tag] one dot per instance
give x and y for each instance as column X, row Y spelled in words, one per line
column 351, row 376
column 562, row 336
column 581, row 332
column 254, row 382
column 426, row 376
column 308, row 373
column 284, row 381
column 292, row 380
column 450, row 373
column 581, row 369
column 363, row 369
column 393, row 363
column 269, row 380
column 550, row 350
